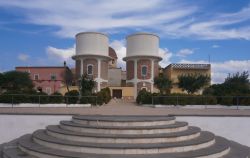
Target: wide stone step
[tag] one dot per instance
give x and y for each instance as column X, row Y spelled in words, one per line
column 204, row 140
column 56, row 131
column 16, row 153
column 176, row 127
column 217, row 150
column 238, row 151
column 123, row 120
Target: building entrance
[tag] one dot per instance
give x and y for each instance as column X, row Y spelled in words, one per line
column 117, row 93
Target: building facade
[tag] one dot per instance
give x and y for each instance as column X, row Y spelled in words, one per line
column 172, row 72
column 142, row 58
column 92, row 57
column 45, row 79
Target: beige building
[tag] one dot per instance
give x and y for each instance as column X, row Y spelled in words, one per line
column 172, row 72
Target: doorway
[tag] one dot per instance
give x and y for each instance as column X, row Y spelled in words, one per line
column 117, row 93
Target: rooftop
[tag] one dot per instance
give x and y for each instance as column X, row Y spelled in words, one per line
column 189, row 66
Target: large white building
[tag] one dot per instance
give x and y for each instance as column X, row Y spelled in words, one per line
column 95, row 58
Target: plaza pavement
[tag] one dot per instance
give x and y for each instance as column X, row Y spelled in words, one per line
column 124, row 108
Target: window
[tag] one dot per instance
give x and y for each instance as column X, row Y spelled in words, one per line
column 53, row 76
column 113, row 61
column 36, row 76
column 144, row 70
column 27, row 71
column 90, row 69
column 48, row 90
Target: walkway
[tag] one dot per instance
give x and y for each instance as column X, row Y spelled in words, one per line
column 118, row 107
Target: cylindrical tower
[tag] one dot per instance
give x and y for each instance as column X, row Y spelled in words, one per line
column 92, row 57
column 142, row 60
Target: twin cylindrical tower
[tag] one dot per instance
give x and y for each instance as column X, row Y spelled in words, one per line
column 142, row 58
column 92, row 57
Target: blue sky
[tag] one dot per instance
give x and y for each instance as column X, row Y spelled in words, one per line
column 41, row 32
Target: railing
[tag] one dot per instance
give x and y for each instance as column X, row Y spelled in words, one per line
column 14, row 99
column 201, row 100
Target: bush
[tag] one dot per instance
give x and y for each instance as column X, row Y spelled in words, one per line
column 106, row 95
column 88, row 100
column 144, row 97
column 56, row 98
column 14, row 97
column 43, row 98
column 71, row 97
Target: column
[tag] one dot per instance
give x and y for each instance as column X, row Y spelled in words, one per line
column 152, row 75
column 81, row 70
column 135, row 78
column 99, row 75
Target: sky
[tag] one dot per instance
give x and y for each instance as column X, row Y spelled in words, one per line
column 42, row 32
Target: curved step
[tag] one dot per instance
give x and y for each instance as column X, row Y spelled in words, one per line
column 219, row 149
column 176, row 127
column 206, row 139
column 123, row 120
column 16, row 153
column 56, row 131
column 238, row 150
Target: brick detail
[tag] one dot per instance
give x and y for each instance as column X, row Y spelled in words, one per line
column 156, row 69
column 95, row 66
column 141, row 63
column 104, row 70
column 130, row 70
column 78, row 69
column 141, row 85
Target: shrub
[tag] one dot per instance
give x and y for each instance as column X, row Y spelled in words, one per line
column 56, row 98
column 71, row 97
column 43, row 97
column 106, row 95
column 144, row 97
column 88, row 100
column 225, row 100
column 14, row 97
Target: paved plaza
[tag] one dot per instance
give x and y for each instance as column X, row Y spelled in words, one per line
column 126, row 108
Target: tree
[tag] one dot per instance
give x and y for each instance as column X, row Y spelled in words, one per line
column 235, row 84
column 163, row 84
column 1, row 81
column 87, row 85
column 17, row 81
column 193, row 82
column 238, row 83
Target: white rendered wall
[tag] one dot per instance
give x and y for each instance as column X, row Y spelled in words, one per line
column 142, row 44
column 92, row 43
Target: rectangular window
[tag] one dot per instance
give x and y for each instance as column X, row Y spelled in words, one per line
column 144, row 70
column 48, row 90
column 53, row 76
column 90, row 69
column 36, row 76
column 27, row 71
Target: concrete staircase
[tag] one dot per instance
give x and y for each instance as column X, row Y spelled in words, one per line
column 97, row 136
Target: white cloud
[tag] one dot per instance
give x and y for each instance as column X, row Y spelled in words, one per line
column 120, row 49
column 173, row 18
column 23, row 57
column 166, row 55
column 215, row 46
column 184, row 52
column 60, row 55
column 100, row 15
column 220, row 70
